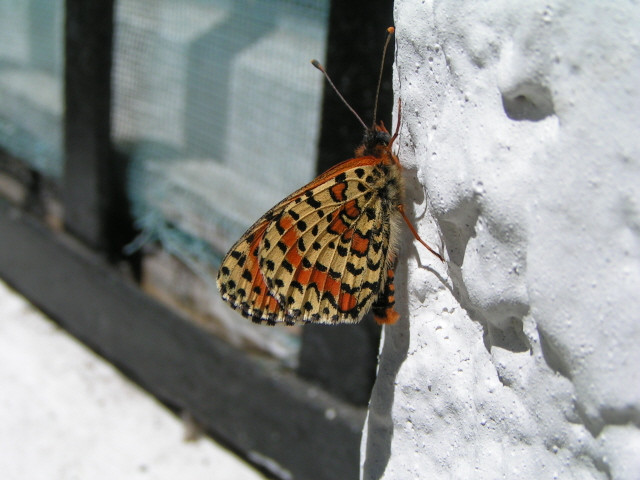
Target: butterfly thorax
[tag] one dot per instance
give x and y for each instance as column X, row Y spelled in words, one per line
column 375, row 142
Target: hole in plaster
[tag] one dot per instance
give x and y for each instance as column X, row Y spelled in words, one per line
column 528, row 101
column 458, row 226
column 504, row 380
column 511, row 338
column 629, row 414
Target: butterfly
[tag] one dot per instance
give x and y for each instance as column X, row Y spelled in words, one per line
column 327, row 252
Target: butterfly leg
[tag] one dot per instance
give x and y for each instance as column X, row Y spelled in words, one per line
column 415, row 234
column 382, row 308
column 397, row 131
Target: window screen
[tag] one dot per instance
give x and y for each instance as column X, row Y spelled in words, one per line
column 218, row 108
column 31, row 35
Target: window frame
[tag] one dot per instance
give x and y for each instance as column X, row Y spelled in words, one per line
column 308, row 421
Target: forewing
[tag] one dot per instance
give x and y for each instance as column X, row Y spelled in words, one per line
column 323, row 256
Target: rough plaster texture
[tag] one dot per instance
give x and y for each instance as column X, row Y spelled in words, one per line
column 519, row 357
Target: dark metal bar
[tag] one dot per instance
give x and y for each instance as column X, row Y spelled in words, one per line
column 89, row 174
column 357, row 32
column 344, row 360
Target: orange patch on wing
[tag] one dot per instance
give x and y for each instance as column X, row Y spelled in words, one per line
column 325, row 283
column 267, row 303
column 285, row 222
column 303, row 275
column 293, row 257
column 337, row 191
column 359, row 244
column 351, row 209
column 337, row 226
column 390, row 317
column 290, row 238
column 347, row 302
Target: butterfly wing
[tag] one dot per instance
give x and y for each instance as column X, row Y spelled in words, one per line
column 322, row 254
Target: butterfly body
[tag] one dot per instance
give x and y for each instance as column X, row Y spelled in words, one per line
column 324, row 254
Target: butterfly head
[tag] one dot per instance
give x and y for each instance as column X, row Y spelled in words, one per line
column 376, row 141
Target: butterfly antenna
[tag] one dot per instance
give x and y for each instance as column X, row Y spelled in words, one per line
column 390, row 32
column 316, row 64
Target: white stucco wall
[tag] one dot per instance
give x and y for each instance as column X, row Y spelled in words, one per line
column 520, row 357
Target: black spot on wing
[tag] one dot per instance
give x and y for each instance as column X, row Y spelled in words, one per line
column 312, row 202
column 370, row 213
column 373, row 265
column 353, row 270
column 287, row 266
column 333, row 274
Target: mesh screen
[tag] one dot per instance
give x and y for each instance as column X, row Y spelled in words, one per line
column 31, row 66
column 218, row 107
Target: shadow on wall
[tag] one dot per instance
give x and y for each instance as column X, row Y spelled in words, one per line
column 379, row 425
